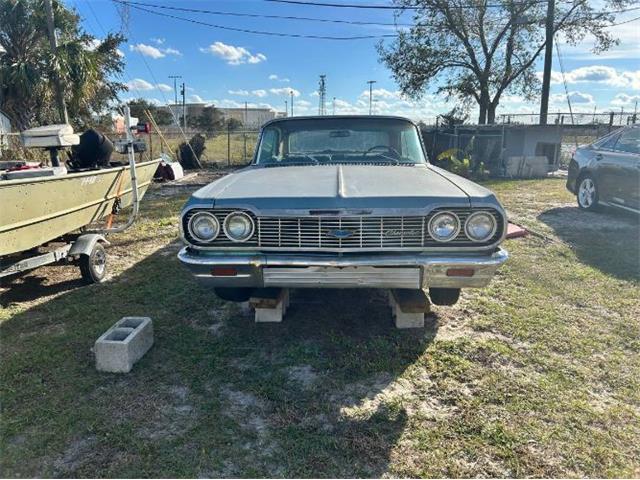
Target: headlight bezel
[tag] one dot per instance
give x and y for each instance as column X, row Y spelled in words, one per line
column 455, row 232
column 192, row 220
column 241, row 214
column 493, row 231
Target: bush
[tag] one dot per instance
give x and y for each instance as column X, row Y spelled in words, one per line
column 185, row 153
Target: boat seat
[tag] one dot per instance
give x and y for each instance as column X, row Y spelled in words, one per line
column 50, row 136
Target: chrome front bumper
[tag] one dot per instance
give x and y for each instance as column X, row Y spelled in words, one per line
column 345, row 271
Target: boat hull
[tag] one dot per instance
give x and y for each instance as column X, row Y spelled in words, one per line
column 37, row 210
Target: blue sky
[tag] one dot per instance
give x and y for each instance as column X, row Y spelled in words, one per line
column 228, row 68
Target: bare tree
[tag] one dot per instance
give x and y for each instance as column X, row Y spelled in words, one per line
column 478, row 50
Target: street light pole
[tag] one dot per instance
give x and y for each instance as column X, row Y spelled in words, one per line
column 371, row 82
column 291, row 103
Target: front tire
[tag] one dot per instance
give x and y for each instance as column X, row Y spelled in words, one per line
column 444, row 296
column 94, row 265
column 587, row 195
column 233, row 294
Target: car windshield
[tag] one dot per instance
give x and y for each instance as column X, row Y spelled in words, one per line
column 340, row 140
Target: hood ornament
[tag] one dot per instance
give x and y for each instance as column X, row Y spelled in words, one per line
column 341, row 234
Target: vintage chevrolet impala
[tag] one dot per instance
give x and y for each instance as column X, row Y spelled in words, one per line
column 343, row 202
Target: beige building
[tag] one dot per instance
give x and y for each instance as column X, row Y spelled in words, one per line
column 250, row 117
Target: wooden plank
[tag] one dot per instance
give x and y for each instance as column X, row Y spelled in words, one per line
column 411, row 301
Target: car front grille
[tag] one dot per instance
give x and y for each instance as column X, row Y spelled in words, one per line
column 345, row 233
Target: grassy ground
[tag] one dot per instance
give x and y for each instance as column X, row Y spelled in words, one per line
column 537, row 375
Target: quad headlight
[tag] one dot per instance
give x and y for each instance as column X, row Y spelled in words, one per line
column 480, row 226
column 444, row 226
column 238, row 226
column 204, row 227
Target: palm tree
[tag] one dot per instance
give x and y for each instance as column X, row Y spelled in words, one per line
column 86, row 65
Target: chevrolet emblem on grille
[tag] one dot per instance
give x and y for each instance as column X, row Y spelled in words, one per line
column 340, row 234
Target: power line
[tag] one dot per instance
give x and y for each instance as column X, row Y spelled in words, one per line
column 279, row 17
column 393, row 7
column 256, row 32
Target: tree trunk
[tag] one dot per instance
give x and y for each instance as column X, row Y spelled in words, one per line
column 482, row 117
column 483, row 105
column 491, row 114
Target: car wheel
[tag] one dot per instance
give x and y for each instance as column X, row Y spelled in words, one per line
column 233, row 294
column 94, row 265
column 444, row 296
column 587, row 193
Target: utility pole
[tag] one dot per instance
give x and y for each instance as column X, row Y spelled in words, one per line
column 291, row 92
column 371, row 82
column 175, row 87
column 322, row 94
column 286, row 108
column 184, row 107
column 548, row 61
column 53, row 43
column 334, row 106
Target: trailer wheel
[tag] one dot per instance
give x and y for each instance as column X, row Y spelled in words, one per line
column 94, row 265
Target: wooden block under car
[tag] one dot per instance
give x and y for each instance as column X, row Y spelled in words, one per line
column 408, row 307
column 270, row 304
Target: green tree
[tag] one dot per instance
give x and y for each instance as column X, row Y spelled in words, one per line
column 233, row 124
column 87, row 66
column 209, row 121
column 478, row 50
column 139, row 106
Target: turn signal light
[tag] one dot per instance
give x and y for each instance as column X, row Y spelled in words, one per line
column 224, row 272
column 460, row 272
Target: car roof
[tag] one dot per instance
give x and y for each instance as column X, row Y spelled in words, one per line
column 338, row 117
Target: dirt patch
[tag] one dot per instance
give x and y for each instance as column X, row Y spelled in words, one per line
column 77, row 453
column 172, row 416
column 363, row 399
column 302, row 375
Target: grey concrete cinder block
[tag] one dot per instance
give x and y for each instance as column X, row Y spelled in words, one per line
column 123, row 344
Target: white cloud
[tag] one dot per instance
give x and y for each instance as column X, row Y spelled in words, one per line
column 259, row 93
column 574, row 97
column 233, row 55
column 275, row 77
column 147, row 50
column 196, row 99
column 242, row 93
column 163, row 87
column 622, row 99
column 120, row 53
column 284, row 91
column 599, row 74
column 139, row 84
column 303, row 103
column 159, row 41
column 382, row 93
column 153, row 52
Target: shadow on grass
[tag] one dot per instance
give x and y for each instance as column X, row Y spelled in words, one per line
column 608, row 240
column 217, row 395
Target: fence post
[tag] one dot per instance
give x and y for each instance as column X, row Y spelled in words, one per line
column 244, row 155
column 228, row 145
